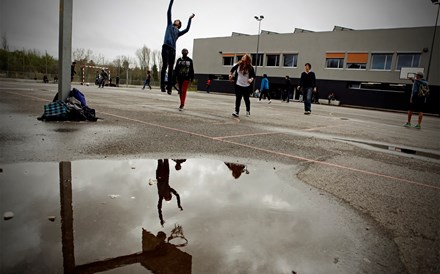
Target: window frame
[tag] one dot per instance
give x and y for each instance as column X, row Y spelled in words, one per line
column 339, row 57
column 387, row 54
column 400, row 54
column 277, row 59
column 294, row 61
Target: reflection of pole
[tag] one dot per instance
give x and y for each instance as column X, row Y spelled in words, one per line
column 433, row 41
column 67, row 217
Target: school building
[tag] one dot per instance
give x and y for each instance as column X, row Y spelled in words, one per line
column 364, row 68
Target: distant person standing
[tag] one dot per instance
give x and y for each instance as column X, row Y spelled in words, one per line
column 264, row 88
column 287, row 89
column 184, row 75
column 208, row 85
column 308, row 85
column 72, row 70
column 417, row 100
column 117, row 81
column 243, row 74
column 172, row 33
column 147, row 80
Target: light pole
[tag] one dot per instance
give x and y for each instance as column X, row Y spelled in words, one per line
column 259, row 19
column 435, row 2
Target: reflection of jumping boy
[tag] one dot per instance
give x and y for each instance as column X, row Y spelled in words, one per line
column 172, row 33
column 163, row 187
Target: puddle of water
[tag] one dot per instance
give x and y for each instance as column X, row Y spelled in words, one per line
column 174, row 216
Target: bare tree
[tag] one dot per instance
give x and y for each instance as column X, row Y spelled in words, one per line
column 157, row 58
column 82, row 55
column 118, row 64
column 5, row 44
column 143, row 54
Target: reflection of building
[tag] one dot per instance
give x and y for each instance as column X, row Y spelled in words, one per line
column 156, row 255
column 362, row 67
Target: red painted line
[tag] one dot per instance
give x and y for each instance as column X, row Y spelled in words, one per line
column 246, row 135
column 284, row 154
column 315, row 128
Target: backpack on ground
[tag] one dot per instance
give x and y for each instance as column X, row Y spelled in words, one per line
column 55, row 111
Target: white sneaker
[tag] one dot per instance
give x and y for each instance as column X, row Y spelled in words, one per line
column 269, row 102
column 235, row 114
column 248, row 113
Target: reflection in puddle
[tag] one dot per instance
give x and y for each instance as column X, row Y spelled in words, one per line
column 224, row 218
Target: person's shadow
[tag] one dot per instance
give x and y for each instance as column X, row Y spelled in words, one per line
column 164, row 190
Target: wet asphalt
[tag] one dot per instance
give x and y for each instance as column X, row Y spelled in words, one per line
column 346, row 161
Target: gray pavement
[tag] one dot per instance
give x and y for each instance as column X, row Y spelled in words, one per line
column 351, row 155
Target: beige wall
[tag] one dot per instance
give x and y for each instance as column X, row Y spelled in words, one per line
column 312, row 47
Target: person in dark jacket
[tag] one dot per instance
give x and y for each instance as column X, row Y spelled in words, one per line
column 308, row 85
column 287, row 89
column 172, row 33
column 72, row 71
column 185, row 75
column 243, row 74
column 147, row 80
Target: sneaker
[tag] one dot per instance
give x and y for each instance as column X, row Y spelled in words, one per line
column 407, row 124
column 235, row 114
column 162, row 89
column 181, row 108
column 248, row 113
column 417, row 127
column 269, row 102
column 307, row 112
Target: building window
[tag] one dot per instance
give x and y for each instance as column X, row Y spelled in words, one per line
column 357, row 60
column 290, row 60
column 272, row 60
column 381, row 61
column 334, row 60
column 411, row 60
column 239, row 56
column 228, row 60
column 254, row 59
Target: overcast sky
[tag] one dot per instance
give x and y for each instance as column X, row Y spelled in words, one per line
column 113, row 28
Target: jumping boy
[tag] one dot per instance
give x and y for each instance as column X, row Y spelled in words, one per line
column 172, row 33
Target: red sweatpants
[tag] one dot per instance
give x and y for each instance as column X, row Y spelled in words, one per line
column 183, row 86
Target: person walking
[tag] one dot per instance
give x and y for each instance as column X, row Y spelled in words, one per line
column 264, row 88
column 287, row 88
column 185, row 75
column 72, row 71
column 308, row 85
column 147, row 80
column 243, row 74
column 172, row 33
column 104, row 77
column 417, row 100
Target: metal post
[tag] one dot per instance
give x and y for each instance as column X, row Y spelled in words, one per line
column 65, row 48
column 433, row 41
column 259, row 19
